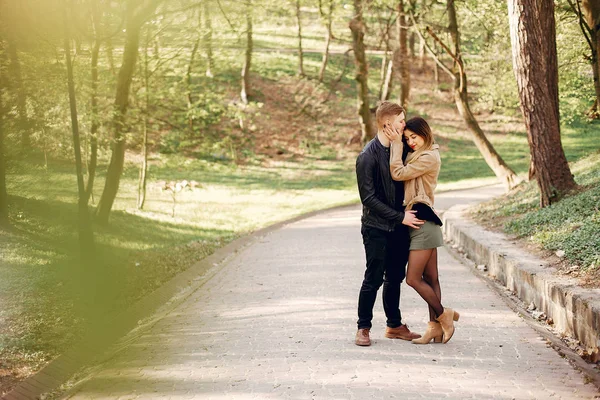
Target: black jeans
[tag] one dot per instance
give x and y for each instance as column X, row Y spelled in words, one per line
column 387, row 255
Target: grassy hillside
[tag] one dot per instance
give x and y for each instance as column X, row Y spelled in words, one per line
column 569, row 229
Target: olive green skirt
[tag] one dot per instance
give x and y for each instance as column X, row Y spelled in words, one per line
column 429, row 236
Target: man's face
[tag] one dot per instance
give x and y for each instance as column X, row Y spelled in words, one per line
column 398, row 122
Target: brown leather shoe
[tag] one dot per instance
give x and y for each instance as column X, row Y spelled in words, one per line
column 362, row 338
column 401, row 332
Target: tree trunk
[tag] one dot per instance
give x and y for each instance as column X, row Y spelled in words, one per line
column 86, row 236
column 461, row 98
column 300, row 52
column 248, row 59
column 17, row 83
column 383, row 70
column 412, row 45
column 208, row 39
column 401, row 56
column 328, row 36
column 533, row 37
column 188, row 75
column 594, row 111
column 487, row 150
column 108, row 47
column 115, row 168
column 77, row 42
column 596, row 67
column 591, row 11
column 93, row 162
column 436, row 75
column 387, row 84
column 143, row 179
column 4, row 221
column 358, row 29
column 422, row 53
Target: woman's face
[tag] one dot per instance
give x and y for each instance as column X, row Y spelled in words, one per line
column 413, row 140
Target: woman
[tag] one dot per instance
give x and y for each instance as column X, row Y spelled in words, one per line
column 420, row 173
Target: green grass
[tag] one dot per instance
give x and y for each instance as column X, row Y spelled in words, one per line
column 44, row 282
column 571, row 225
column 462, row 160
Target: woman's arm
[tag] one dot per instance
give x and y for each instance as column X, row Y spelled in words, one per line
column 400, row 172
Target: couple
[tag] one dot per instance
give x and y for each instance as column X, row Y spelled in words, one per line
column 397, row 173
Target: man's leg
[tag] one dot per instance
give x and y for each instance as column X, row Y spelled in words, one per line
column 375, row 241
column 395, row 272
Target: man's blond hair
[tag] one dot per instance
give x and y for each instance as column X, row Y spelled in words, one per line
column 386, row 110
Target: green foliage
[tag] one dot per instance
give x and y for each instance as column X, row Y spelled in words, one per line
column 487, row 52
column 576, row 86
column 571, row 225
column 576, row 96
column 497, row 88
column 206, row 110
column 319, row 150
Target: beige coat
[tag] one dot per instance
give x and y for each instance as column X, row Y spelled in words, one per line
column 420, row 173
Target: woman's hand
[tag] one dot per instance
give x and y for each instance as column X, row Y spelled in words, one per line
column 392, row 133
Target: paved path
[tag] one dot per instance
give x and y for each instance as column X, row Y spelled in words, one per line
column 278, row 322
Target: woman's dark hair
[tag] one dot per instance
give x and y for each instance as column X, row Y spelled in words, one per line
column 421, row 128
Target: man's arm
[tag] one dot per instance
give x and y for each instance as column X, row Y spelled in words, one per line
column 365, row 167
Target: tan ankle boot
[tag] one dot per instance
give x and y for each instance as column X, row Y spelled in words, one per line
column 446, row 321
column 434, row 331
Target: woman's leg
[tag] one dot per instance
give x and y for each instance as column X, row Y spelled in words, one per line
column 417, row 261
column 430, row 275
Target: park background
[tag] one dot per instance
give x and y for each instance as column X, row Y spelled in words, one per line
column 139, row 136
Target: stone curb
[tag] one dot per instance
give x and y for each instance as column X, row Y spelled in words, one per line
column 574, row 310
column 93, row 348
column 590, row 370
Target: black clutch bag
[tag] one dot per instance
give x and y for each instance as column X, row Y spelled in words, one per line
column 424, row 212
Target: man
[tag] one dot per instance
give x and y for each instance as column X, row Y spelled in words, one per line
column 384, row 230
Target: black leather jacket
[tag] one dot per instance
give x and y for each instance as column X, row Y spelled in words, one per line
column 376, row 188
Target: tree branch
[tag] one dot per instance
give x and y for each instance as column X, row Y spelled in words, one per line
column 227, row 18
column 479, row 19
column 429, row 49
column 444, row 46
column 385, row 34
column 338, row 80
column 140, row 15
column 585, row 28
column 456, row 58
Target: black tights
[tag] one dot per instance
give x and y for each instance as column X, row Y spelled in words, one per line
column 422, row 275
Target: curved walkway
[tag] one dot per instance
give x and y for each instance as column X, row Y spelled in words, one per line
column 278, row 322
